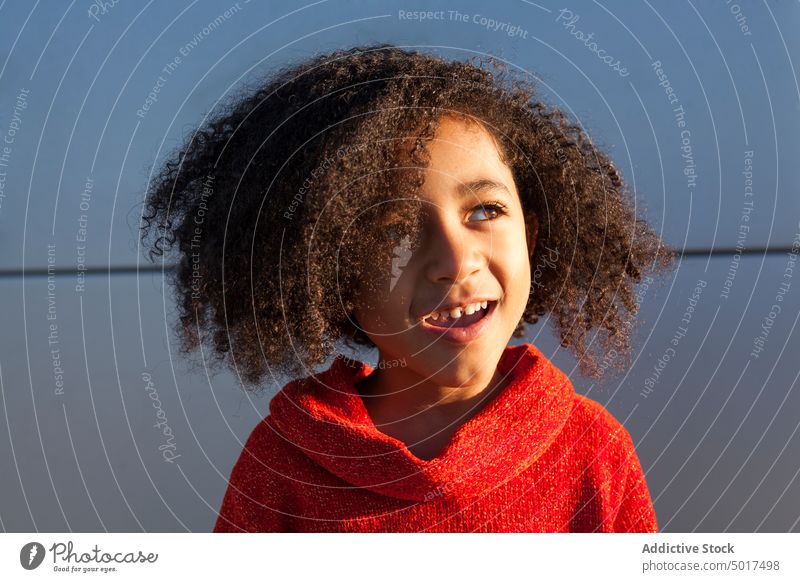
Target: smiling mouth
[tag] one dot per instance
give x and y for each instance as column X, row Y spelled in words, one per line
column 462, row 328
column 462, row 320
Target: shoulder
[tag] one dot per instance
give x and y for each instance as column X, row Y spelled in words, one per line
column 256, row 497
column 613, row 492
column 274, row 456
column 268, row 461
column 588, row 411
column 591, row 426
column 266, row 448
column 263, row 437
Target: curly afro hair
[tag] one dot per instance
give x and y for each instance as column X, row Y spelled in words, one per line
column 258, row 207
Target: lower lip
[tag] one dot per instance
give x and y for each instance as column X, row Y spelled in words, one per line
column 462, row 335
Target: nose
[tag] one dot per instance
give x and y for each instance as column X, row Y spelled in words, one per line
column 453, row 255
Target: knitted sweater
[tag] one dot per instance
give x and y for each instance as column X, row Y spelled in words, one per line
column 537, row 458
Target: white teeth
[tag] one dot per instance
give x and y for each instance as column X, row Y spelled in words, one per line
column 458, row 311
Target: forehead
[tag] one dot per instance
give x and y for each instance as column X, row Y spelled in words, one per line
column 461, row 153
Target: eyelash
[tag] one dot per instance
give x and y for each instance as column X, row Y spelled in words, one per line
column 495, row 205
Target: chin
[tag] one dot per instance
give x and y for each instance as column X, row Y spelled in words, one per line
column 453, row 369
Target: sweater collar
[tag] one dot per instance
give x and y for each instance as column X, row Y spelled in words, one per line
column 326, row 418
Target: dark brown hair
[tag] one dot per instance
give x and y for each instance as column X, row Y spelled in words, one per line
column 260, row 204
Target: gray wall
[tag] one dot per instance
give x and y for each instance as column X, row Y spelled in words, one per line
column 716, row 434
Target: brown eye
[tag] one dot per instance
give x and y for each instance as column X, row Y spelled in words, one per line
column 489, row 211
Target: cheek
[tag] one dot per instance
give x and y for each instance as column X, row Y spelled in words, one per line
column 383, row 306
column 373, row 281
column 513, row 271
column 513, row 263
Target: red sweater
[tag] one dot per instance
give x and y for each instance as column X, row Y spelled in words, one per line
column 537, row 458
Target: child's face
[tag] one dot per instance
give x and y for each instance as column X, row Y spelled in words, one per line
column 467, row 253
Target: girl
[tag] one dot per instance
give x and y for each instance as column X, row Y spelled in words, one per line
column 388, row 198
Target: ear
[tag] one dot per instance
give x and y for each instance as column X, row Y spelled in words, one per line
column 531, row 232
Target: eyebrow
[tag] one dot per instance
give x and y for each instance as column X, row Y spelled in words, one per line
column 477, row 186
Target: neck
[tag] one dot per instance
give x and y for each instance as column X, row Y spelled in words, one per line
column 412, row 407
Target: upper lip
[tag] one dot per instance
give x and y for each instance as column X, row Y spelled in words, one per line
column 450, row 305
